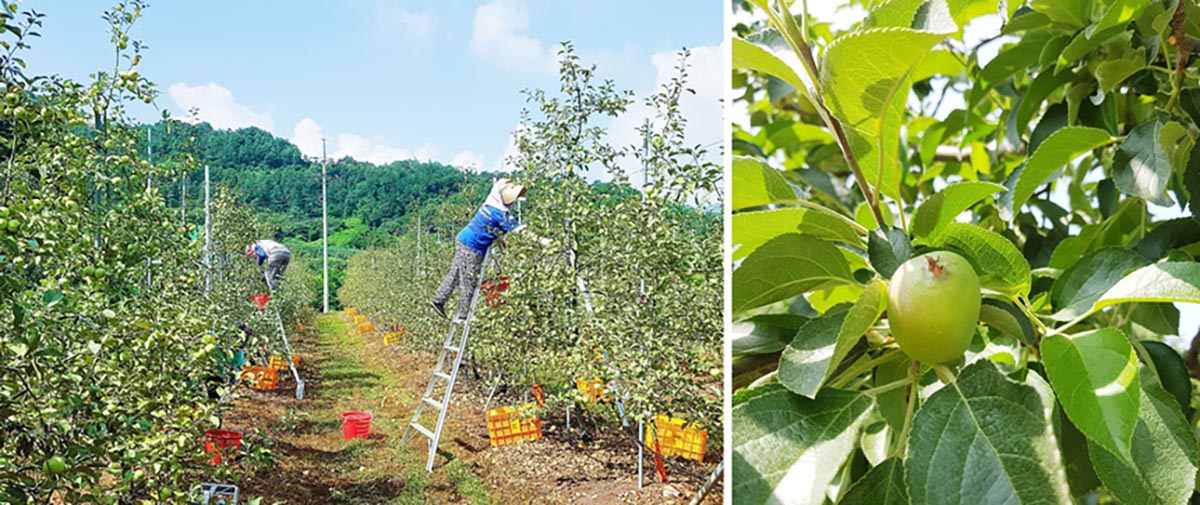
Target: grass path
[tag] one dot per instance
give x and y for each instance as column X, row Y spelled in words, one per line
column 314, row 464
column 344, row 371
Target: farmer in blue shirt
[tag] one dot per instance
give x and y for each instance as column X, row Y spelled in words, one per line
column 492, row 220
column 275, row 255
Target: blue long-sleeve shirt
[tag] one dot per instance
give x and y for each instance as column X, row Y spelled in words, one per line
column 487, row 225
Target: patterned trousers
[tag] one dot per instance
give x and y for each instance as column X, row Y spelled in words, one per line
column 276, row 264
column 464, row 273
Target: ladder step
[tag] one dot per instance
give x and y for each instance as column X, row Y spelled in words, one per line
column 441, row 375
column 421, row 429
column 452, row 349
column 434, row 403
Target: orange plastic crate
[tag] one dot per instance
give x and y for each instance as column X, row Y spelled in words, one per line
column 351, row 311
column 507, row 425
column 259, row 377
column 366, row 328
column 360, row 319
column 677, row 438
column 594, row 389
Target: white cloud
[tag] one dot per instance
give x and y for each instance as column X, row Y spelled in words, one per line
column 307, row 135
column 511, row 151
column 416, row 23
column 498, row 36
column 702, row 109
column 377, row 150
column 467, row 161
column 217, row 106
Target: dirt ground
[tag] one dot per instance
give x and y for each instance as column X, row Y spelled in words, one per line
column 345, row 372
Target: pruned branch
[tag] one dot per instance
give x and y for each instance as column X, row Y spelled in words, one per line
column 1184, row 44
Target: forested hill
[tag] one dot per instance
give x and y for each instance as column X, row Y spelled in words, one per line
column 367, row 202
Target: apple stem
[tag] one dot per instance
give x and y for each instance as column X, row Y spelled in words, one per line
column 944, row 373
column 935, row 268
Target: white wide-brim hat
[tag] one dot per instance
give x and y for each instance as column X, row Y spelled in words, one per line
column 510, row 192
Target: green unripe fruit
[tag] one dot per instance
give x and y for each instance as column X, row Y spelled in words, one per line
column 54, row 466
column 933, row 306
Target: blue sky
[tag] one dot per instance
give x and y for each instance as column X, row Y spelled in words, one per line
column 391, row 79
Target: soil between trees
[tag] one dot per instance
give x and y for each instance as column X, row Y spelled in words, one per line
column 347, row 372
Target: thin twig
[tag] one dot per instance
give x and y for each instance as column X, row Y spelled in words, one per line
column 784, row 21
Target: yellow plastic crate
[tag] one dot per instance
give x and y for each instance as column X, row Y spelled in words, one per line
column 594, row 389
column 677, row 438
column 277, row 363
column 360, row 319
column 507, row 425
column 365, row 328
column 393, row 337
column 351, row 311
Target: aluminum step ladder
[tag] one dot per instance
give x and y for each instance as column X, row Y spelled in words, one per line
column 453, row 350
column 286, row 345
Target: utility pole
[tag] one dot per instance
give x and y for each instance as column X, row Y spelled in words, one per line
column 207, row 234
column 324, row 228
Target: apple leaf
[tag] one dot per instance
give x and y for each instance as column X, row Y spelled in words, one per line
column 821, row 345
column 944, row 206
column 1164, row 453
column 756, row 184
column 787, row 448
column 985, row 439
column 1095, row 374
column 755, row 228
column 786, row 266
column 998, row 263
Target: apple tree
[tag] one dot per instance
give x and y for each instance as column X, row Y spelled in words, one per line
column 114, row 319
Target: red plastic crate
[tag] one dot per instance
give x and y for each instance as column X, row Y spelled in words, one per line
column 217, row 441
column 261, row 299
column 493, row 288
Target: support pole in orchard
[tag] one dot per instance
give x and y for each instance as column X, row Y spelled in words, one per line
column 712, row 480
column 418, row 240
column 645, row 157
column 149, row 186
column 645, row 183
column 150, row 156
column 641, row 455
column 207, row 233
column 324, row 230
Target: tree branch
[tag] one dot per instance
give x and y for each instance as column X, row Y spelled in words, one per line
column 1191, row 357
column 1184, row 44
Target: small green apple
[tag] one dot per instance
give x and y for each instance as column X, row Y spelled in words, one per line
column 933, row 306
